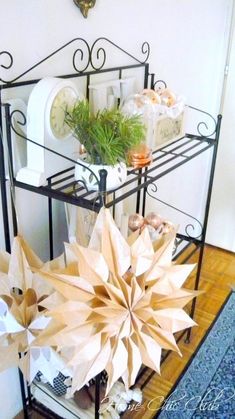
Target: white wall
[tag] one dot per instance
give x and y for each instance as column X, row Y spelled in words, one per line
column 10, row 394
column 221, row 226
column 187, row 39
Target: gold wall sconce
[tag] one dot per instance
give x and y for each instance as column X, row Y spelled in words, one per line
column 85, row 5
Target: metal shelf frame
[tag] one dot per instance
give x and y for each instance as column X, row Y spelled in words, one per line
column 89, row 60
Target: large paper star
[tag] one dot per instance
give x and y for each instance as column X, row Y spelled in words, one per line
column 22, row 315
column 125, row 303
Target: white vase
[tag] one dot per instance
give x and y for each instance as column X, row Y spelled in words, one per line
column 88, row 174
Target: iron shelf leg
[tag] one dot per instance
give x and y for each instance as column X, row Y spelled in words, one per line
column 197, row 280
column 102, row 186
column 4, row 193
column 97, row 396
column 138, row 199
column 10, row 167
column 23, row 395
column 144, row 193
column 4, row 203
column 208, row 200
column 50, row 217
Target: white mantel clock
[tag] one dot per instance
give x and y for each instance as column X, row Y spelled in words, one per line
column 45, row 125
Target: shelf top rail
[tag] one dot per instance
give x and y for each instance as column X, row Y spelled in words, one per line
column 85, row 59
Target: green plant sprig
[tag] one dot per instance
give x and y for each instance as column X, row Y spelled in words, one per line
column 108, row 135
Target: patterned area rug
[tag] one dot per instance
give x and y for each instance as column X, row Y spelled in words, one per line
column 207, row 388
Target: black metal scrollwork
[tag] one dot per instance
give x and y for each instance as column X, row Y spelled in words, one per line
column 81, row 52
column 95, row 56
column 6, row 66
column 50, row 56
column 146, row 51
column 153, row 189
column 203, row 125
column 159, row 85
column 10, row 58
column 22, row 122
column 98, row 54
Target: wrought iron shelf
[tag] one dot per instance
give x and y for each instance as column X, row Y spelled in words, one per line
column 88, row 61
column 63, row 186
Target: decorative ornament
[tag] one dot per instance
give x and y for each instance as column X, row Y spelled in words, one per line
column 152, row 95
column 168, row 98
column 154, row 223
column 84, row 6
column 136, row 222
column 154, row 220
column 122, row 309
column 22, row 314
column 140, row 156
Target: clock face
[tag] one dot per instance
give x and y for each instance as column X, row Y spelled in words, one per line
column 64, row 100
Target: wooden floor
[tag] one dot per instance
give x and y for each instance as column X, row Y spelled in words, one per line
column 217, row 278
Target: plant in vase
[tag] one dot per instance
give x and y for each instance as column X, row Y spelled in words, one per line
column 107, row 136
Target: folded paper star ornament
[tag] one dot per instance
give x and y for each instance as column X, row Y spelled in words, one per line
column 123, row 307
column 22, row 313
